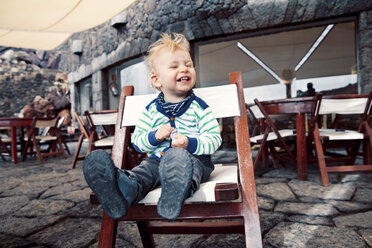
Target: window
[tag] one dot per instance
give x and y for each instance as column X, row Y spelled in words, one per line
column 138, row 76
column 85, row 96
column 265, row 59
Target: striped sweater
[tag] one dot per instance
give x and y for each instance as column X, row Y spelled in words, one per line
column 195, row 120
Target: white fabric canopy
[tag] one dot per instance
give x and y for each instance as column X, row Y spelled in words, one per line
column 46, row 24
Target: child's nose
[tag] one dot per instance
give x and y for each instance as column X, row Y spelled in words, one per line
column 184, row 68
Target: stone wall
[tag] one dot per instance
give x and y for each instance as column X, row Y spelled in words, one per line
column 365, row 52
column 20, row 83
column 198, row 20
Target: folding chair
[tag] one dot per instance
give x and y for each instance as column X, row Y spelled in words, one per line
column 4, row 142
column 210, row 201
column 349, row 140
column 49, row 135
column 105, row 121
column 84, row 133
column 270, row 137
column 4, row 148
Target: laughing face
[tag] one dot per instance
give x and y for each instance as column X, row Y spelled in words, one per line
column 175, row 74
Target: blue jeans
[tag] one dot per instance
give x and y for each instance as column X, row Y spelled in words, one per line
column 147, row 173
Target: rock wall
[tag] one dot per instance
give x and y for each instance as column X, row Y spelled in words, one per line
column 365, row 52
column 20, row 83
column 198, row 20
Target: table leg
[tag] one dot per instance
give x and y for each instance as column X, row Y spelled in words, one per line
column 13, row 137
column 301, row 147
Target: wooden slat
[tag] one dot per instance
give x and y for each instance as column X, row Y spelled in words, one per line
column 349, row 168
column 224, row 227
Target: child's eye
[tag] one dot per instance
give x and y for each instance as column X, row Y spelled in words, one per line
column 173, row 66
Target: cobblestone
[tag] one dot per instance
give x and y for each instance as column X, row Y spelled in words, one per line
column 47, row 205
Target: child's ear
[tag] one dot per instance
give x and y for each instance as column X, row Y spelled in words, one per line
column 155, row 80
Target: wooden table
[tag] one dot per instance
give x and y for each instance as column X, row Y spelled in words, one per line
column 13, row 123
column 298, row 106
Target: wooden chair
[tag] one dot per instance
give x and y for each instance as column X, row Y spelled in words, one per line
column 234, row 216
column 269, row 137
column 49, row 135
column 4, row 142
column 354, row 106
column 105, row 122
column 3, row 148
column 88, row 127
column 84, row 133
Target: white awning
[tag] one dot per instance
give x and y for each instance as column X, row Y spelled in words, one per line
column 46, row 24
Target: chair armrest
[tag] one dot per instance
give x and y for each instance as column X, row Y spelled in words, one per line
column 226, row 191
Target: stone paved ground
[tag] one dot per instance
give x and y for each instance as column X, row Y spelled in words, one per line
column 47, row 206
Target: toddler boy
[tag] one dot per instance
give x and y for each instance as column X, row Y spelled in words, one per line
column 178, row 132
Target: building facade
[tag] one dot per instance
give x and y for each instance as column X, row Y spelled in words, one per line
column 270, row 41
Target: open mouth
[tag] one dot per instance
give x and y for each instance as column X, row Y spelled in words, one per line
column 183, row 79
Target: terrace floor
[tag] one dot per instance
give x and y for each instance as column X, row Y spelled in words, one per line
column 46, row 205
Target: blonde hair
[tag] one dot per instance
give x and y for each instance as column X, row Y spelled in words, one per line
column 171, row 41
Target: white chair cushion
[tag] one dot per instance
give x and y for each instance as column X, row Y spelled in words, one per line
column 273, row 136
column 335, row 134
column 108, row 141
column 221, row 174
column 5, row 138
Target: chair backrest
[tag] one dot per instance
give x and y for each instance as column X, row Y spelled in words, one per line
column 103, row 118
column 255, row 111
column 353, row 105
column 257, row 118
column 223, row 101
column 342, row 105
column 45, row 122
column 260, row 111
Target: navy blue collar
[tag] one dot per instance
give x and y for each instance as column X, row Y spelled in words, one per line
column 174, row 109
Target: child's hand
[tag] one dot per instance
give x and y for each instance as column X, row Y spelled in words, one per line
column 163, row 132
column 180, row 140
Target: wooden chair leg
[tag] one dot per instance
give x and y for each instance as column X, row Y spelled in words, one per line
column 275, row 157
column 1, row 154
column 61, row 149
column 107, row 237
column 65, row 146
column 77, row 151
column 265, row 156
column 146, row 235
column 25, row 150
column 353, row 153
column 261, row 151
column 321, row 159
column 367, row 150
column 258, row 157
column 3, row 145
column 288, row 151
column 37, row 148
